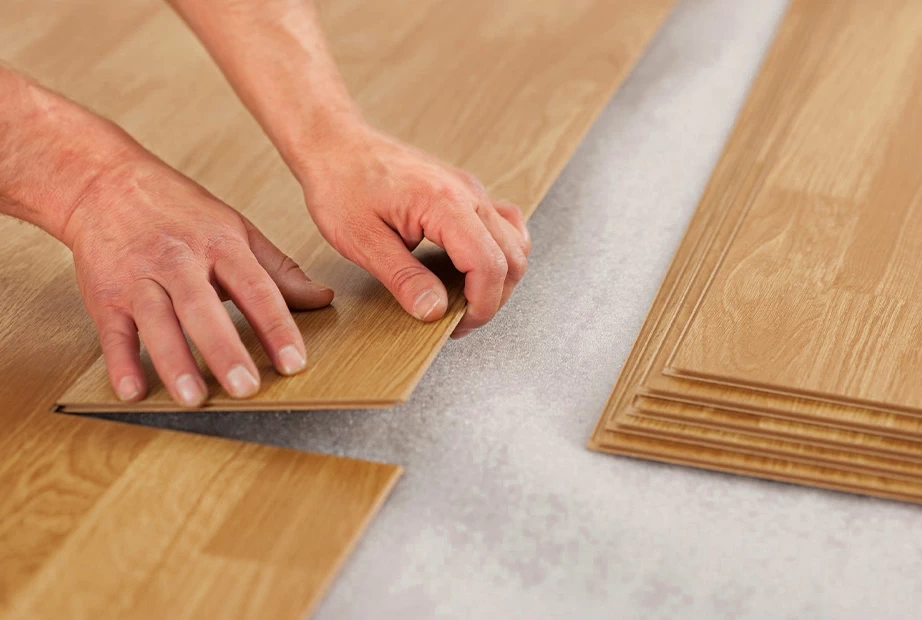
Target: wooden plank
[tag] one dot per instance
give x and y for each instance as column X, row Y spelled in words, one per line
column 816, row 294
column 790, row 70
column 106, row 520
column 505, row 90
column 848, row 441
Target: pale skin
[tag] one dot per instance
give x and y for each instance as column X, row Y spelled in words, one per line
column 155, row 253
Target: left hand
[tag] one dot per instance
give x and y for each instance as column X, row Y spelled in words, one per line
column 375, row 198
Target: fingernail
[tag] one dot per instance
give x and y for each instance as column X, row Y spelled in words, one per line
column 291, row 360
column 426, row 304
column 461, row 333
column 527, row 233
column 129, row 388
column 190, row 391
column 241, row 381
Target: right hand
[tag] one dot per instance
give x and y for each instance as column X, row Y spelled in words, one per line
column 155, row 254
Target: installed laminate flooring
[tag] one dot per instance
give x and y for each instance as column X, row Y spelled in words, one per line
column 505, row 90
column 749, row 158
column 105, row 520
column 817, row 293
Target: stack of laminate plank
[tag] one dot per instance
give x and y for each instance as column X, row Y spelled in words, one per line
column 784, row 342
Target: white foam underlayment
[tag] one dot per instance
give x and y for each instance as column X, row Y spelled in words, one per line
column 502, row 512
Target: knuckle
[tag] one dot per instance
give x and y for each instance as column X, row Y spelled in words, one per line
column 278, row 327
column 112, row 338
column 402, row 279
column 518, row 265
column 220, row 351
column 444, row 193
column 288, row 265
column 497, row 266
column 257, row 291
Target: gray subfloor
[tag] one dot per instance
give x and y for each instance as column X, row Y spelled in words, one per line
column 502, row 512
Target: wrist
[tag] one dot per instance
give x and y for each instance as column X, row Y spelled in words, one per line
column 53, row 150
column 329, row 133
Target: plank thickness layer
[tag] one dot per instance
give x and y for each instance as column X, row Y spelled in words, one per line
column 790, row 72
column 503, row 89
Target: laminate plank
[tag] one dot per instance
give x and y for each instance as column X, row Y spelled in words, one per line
column 802, row 37
column 505, row 90
column 816, row 293
column 779, row 428
column 105, row 520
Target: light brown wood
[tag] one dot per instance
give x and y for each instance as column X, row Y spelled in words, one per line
column 849, row 441
column 751, row 172
column 106, row 520
column 505, row 90
column 818, row 292
column 791, row 69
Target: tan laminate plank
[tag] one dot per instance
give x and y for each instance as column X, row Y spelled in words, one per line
column 101, row 519
column 817, row 293
column 505, row 90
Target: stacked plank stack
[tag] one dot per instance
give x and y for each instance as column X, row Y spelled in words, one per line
column 784, row 340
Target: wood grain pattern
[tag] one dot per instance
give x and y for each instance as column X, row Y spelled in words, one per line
column 817, row 293
column 505, row 90
column 105, row 520
column 790, row 70
column 736, row 197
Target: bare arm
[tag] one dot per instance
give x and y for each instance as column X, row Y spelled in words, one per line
column 154, row 252
column 371, row 196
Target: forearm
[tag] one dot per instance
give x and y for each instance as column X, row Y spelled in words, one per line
column 51, row 150
column 276, row 57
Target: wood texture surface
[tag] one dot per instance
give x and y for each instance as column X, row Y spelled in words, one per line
column 105, row 520
column 818, row 292
column 794, row 67
column 505, row 90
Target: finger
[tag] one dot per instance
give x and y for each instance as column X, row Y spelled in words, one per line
column 474, row 252
column 205, row 319
column 511, row 243
column 121, row 349
column 159, row 328
column 513, row 215
column 299, row 292
column 380, row 251
column 261, row 302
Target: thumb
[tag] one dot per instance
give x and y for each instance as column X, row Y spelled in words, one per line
column 385, row 256
column 299, row 292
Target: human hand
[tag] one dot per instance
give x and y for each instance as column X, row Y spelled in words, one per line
column 375, row 198
column 155, row 254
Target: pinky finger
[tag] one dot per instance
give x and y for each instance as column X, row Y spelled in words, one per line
column 121, row 349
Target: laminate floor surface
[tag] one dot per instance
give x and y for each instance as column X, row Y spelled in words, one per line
column 505, row 90
column 502, row 512
column 104, row 520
